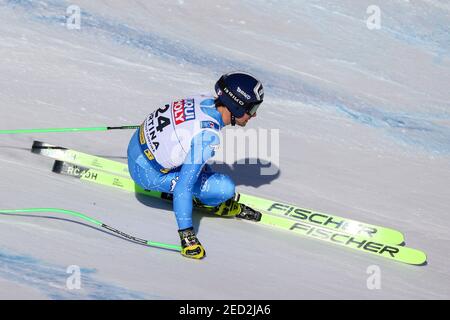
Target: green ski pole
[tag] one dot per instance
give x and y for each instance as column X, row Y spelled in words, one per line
column 82, row 129
column 95, row 222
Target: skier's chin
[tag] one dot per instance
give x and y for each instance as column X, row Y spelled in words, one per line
column 242, row 124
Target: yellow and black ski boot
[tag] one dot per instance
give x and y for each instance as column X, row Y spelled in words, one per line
column 229, row 208
column 191, row 247
column 232, row 208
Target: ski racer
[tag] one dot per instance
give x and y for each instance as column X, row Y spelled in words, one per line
column 168, row 153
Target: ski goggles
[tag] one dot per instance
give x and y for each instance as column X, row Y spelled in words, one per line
column 253, row 108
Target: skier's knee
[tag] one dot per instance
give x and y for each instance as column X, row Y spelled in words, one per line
column 219, row 188
column 228, row 188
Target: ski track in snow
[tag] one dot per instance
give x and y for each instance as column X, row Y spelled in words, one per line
column 410, row 128
column 51, row 279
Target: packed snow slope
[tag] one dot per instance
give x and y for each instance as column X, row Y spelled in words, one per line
column 364, row 126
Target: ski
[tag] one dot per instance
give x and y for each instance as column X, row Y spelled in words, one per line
column 355, row 242
column 323, row 220
column 79, row 158
column 104, row 178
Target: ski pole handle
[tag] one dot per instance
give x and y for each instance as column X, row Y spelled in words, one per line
column 18, row 131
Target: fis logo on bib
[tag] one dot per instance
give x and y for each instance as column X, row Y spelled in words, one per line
column 183, row 110
column 209, row 125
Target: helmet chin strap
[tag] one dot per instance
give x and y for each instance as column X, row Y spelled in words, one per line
column 233, row 120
